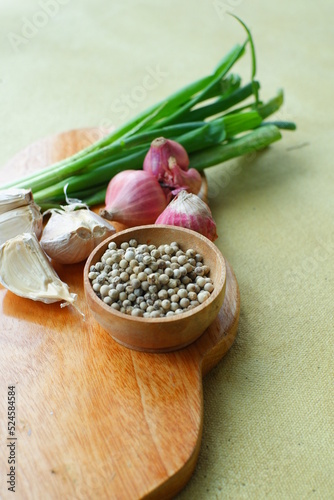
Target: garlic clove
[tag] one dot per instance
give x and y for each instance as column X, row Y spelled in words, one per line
column 26, row 271
column 134, row 198
column 70, row 236
column 189, row 211
column 24, row 219
column 14, row 198
column 19, row 214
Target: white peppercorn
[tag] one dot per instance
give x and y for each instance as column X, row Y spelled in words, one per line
column 166, row 304
column 113, row 294
column 182, row 259
column 162, row 294
column 182, row 293
column 173, row 283
column 177, row 273
column 129, row 255
column 192, row 296
column 208, row 287
column 200, row 281
column 135, row 283
column 190, row 252
column 93, row 275
column 124, row 276
column 185, row 280
column 155, row 314
column 163, row 279
column 155, row 253
column 199, row 271
column 136, row 312
column 146, row 281
column 202, row 296
column 194, row 303
column 184, row 302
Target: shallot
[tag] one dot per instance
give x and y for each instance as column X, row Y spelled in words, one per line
column 134, row 197
column 189, row 211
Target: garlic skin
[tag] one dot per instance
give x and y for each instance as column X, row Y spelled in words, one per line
column 19, row 214
column 71, row 235
column 189, row 211
column 26, row 271
column 134, row 198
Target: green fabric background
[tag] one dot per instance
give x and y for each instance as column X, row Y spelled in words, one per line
column 268, row 417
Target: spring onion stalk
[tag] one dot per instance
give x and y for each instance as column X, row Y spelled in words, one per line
column 215, row 118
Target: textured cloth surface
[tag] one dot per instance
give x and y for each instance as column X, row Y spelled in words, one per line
column 268, row 406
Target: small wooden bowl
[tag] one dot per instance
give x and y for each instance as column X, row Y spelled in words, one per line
column 160, row 334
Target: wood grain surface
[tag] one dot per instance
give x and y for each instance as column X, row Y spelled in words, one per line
column 95, row 419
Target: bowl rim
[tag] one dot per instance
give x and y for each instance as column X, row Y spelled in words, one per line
column 163, row 320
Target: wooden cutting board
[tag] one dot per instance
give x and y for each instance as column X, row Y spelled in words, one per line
column 95, row 419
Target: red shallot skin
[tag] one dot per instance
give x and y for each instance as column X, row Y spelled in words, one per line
column 134, row 198
column 189, row 211
column 190, row 180
column 156, row 159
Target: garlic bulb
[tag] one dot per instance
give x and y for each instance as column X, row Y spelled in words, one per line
column 26, row 271
column 70, row 235
column 189, row 211
column 19, row 214
column 134, row 198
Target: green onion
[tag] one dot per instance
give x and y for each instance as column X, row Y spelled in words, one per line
column 214, row 118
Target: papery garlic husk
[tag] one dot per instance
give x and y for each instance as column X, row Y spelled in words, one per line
column 189, row 211
column 134, row 198
column 71, row 235
column 26, row 271
column 161, row 149
column 25, row 219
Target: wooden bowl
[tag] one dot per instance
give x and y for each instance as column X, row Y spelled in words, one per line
column 168, row 333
